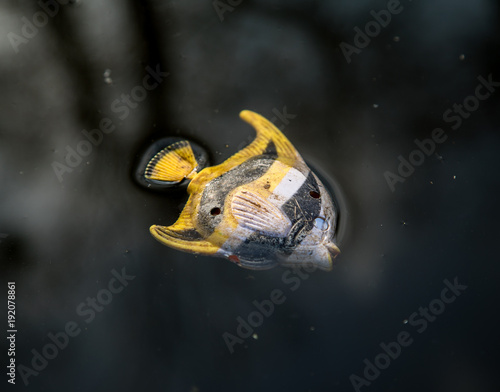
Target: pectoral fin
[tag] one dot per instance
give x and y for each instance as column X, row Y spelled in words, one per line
column 254, row 212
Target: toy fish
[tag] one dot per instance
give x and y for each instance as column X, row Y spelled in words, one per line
column 260, row 208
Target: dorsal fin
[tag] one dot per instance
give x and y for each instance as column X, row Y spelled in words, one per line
column 267, row 134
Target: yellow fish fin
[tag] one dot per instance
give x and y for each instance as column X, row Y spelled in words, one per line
column 267, row 133
column 173, row 163
column 185, row 240
column 182, row 235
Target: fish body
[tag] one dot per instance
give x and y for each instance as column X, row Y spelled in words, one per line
column 260, row 208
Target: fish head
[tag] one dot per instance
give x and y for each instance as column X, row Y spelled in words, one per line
column 315, row 234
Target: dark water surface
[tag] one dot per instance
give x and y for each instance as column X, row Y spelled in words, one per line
column 100, row 305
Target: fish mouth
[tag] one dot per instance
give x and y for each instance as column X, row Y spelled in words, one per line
column 333, row 252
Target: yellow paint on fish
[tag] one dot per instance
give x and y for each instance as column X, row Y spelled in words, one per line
column 260, row 208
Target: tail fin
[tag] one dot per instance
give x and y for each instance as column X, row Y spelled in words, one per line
column 173, row 164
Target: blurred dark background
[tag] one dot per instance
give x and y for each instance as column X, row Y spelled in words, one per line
column 64, row 238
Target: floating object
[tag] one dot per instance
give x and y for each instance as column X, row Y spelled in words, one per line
column 260, row 208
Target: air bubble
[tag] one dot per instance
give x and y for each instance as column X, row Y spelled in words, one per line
column 107, row 76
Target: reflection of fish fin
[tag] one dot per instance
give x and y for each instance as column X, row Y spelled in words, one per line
column 256, row 213
column 172, row 164
column 183, row 236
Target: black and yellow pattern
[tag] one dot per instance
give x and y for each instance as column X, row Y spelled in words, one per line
column 256, row 208
column 172, row 164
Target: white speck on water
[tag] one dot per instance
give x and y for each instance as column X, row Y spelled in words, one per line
column 255, row 336
column 461, row 57
column 396, row 39
column 107, row 76
column 405, row 321
column 375, row 106
column 454, row 177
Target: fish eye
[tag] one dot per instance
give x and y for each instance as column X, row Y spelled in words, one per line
column 315, row 194
column 321, row 223
column 215, row 211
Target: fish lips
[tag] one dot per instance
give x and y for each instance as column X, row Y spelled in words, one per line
column 333, row 251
